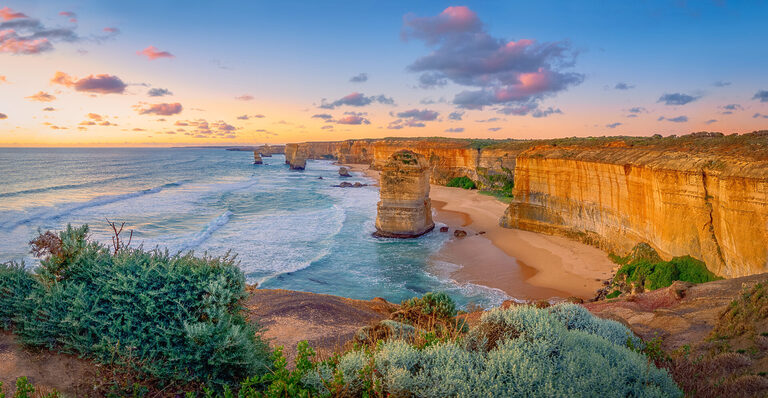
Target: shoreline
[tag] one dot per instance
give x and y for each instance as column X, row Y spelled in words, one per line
column 524, row 265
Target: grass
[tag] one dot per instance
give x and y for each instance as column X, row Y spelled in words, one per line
column 643, row 269
column 744, row 313
column 461, row 182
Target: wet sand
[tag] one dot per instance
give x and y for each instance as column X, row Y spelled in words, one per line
column 523, row 264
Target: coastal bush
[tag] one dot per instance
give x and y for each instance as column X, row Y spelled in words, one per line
column 174, row 317
column 461, row 182
column 643, row 269
column 516, row 352
column 25, row 389
column 15, row 285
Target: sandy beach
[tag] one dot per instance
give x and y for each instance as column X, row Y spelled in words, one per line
column 525, row 265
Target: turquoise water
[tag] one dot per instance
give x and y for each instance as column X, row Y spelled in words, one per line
column 289, row 229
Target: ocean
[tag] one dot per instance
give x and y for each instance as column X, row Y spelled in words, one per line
column 289, row 229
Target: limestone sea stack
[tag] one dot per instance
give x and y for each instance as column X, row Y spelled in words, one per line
column 344, row 172
column 266, row 151
column 405, row 210
column 299, row 159
column 257, row 158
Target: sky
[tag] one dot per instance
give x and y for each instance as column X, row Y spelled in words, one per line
column 165, row 73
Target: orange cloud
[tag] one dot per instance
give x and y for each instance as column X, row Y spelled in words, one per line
column 6, row 14
column 42, row 97
column 153, row 53
column 3, row 79
column 99, row 84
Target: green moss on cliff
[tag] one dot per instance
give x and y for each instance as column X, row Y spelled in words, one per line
column 461, row 182
column 643, row 269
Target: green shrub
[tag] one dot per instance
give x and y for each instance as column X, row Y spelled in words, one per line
column 438, row 305
column 516, row 352
column 177, row 318
column 461, row 182
column 643, row 269
column 15, row 285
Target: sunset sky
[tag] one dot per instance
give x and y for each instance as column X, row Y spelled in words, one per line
column 115, row 73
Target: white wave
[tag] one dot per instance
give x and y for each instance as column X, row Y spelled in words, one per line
column 207, row 231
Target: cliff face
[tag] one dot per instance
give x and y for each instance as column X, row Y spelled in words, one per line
column 711, row 206
column 405, row 210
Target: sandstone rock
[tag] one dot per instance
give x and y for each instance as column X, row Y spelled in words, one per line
column 443, row 229
column 358, row 185
column 257, row 158
column 350, row 185
column 266, row 151
column 344, row 172
column 299, row 158
column 405, row 210
column 459, row 233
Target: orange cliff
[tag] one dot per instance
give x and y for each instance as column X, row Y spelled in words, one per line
column 706, row 197
column 699, row 195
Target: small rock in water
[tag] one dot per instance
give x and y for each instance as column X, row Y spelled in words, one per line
column 459, row 233
column 443, row 229
column 344, row 172
column 320, row 178
column 358, row 185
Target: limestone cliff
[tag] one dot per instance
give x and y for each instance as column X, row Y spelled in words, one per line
column 405, row 210
column 707, row 199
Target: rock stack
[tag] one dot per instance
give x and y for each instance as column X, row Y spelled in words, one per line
column 344, row 172
column 266, row 151
column 405, row 210
column 257, row 158
column 299, row 159
column 290, row 152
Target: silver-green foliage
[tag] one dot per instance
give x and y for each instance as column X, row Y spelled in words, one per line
column 559, row 352
column 15, row 285
column 176, row 317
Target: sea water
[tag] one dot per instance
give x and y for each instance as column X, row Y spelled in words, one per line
column 289, row 229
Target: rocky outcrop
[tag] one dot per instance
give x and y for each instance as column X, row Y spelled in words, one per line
column 344, row 172
column 257, row 158
column 290, row 152
column 405, row 210
column 708, row 199
column 298, row 159
column 266, row 151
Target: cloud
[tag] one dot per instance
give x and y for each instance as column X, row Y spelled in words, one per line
column 159, row 109
column 99, row 84
column 6, row 14
column 323, row 116
column 3, row 115
column 430, row 101
column 638, row 109
column 49, row 109
column 759, row 115
column 761, row 95
column 326, row 127
column 158, row 92
column 455, row 130
column 623, row 86
column 353, row 118
column 201, row 128
column 494, row 129
column 69, row 14
column 632, row 115
column 613, row 125
column 243, row 117
column 245, row 97
column 733, row 107
column 432, row 80
column 356, row 99
column 455, row 115
column 111, row 30
column 94, row 116
column 677, row 99
column 20, row 34
column 489, row 120
column 504, row 72
column 42, row 96
column 360, row 78
column 153, row 53
column 679, row 119
column 721, row 83
column 537, row 113
column 710, row 121
column 424, row 115
column 3, row 79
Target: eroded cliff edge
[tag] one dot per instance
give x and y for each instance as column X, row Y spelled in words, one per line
column 704, row 195
column 701, row 196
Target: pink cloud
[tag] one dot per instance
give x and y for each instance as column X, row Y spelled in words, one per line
column 6, row 14
column 69, row 14
column 153, row 53
column 11, row 42
column 160, row 109
column 99, row 84
column 453, row 20
column 245, row 97
column 353, row 119
column 111, row 30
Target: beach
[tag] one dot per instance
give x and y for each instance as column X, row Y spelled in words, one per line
column 524, row 265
